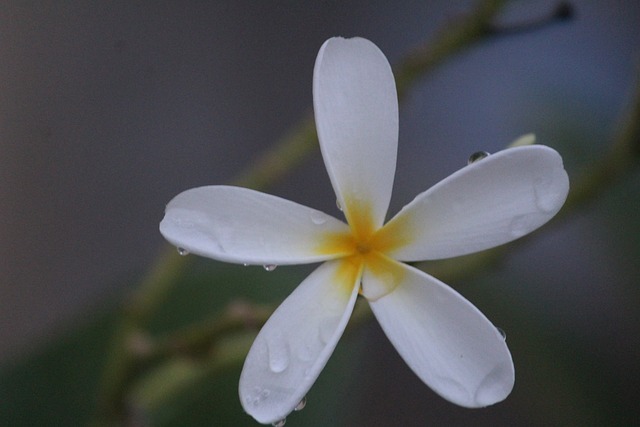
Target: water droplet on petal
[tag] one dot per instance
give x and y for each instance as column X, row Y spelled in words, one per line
column 300, row 406
column 278, row 353
column 280, row 423
column 546, row 201
column 478, row 155
column 246, row 264
column 183, row 252
column 257, row 396
column 339, row 205
column 269, row 267
column 502, row 332
column 318, row 218
column 495, row 386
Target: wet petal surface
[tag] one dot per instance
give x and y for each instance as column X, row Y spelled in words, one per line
column 445, row 340
column 244, row 226
column 488, row 203
column 296, row 342
column 356, row 111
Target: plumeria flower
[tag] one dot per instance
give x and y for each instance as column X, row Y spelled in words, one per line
column 445, row 340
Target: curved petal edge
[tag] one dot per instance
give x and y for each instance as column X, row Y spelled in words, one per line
column 356, row 112
column 488, row 203
column 239, row 225
column 297, row 341
column 449, row 344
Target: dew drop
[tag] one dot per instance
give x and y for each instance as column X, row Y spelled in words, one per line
column 339, row 205
column 300, row 406
column 269, row 267
column 318, row 218
column 183, row 252
column 502, row 333
column 280, row 423
column 257, row 396
column 246, row 264
column 278, row 353
column 546, row 201
column 495, row 386
column 278, row 363
column 477, row 156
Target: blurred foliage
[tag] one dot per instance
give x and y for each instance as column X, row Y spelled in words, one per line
column 58, row 385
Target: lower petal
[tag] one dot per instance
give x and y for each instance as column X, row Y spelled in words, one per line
column 446, row 340
column 297, row 340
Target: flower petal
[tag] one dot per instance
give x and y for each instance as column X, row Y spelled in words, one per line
column 490, row 202
column 239, row 225
column 356, row 111
column 296, row 342
column 446, row 341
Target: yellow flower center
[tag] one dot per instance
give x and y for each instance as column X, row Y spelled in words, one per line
column 364, row 247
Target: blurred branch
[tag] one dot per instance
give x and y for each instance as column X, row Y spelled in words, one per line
column 563, row 12
column 465, row 33
column 622, row 156
column 283, row 157
column 199, row 340
column 459, row 35
column 621, row 159
column 179, row 370
column 133, row 353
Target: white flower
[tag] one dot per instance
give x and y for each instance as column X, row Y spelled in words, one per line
column 445, row 340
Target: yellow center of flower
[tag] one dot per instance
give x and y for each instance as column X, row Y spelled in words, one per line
column 365, row 247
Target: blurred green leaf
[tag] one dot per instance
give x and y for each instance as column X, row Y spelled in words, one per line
column 57, row 385
column 208, row 287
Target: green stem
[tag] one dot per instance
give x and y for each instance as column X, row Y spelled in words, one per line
column 288, row 153
column 462, row 34
column 612, row 166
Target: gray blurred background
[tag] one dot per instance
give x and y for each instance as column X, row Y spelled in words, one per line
column 109, row 109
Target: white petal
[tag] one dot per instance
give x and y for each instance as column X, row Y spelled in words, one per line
column 296, row 342
column 244, row 226
column 356, row 111
column 446, row 341
column 490, row 202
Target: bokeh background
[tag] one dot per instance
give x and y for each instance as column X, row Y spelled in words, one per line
column 109, row 109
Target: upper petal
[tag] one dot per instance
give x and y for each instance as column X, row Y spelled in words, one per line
column 296, row 342
column 445, row 340
column 490, row 202
column 356, row 112
column 245, row 226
